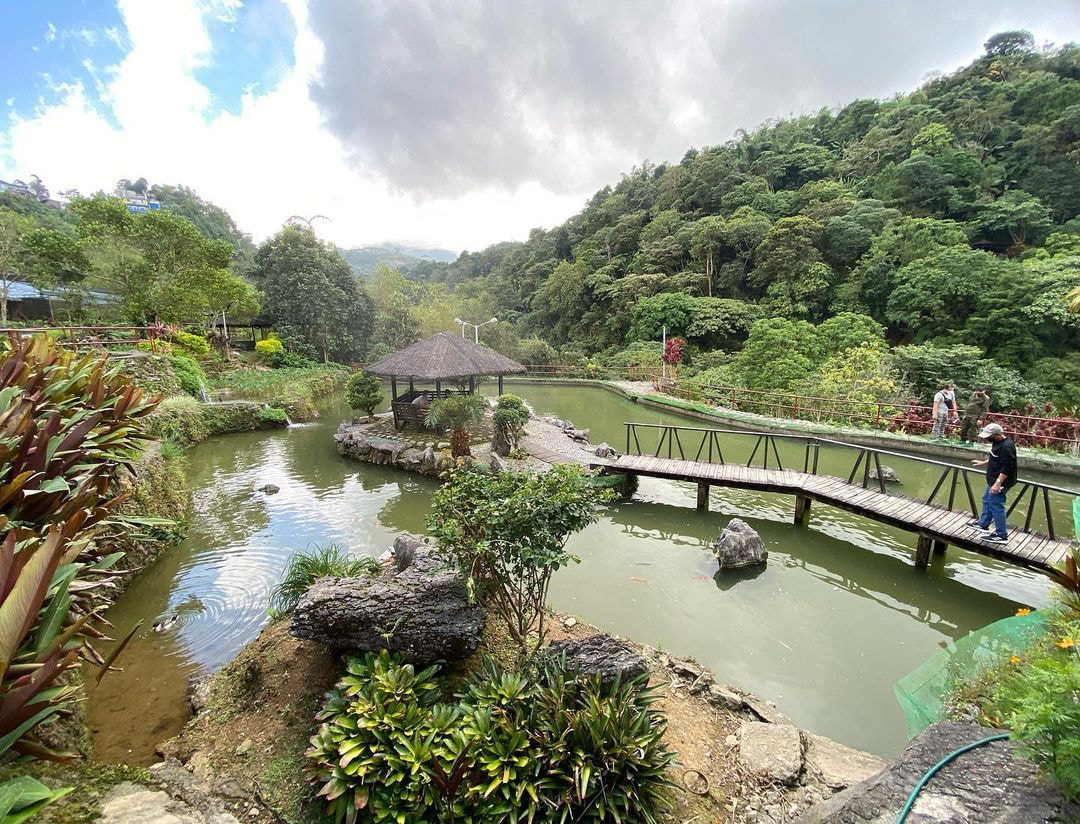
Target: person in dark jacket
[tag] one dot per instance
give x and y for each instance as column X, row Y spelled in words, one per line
column 1000, row 478
column 978, row 407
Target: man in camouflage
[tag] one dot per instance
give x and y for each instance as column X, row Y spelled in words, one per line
column 978, row 406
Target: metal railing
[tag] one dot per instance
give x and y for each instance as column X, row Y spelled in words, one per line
column 674, row 441
column 1060, row 433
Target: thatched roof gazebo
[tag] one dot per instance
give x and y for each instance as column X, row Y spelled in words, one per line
column 442, row 357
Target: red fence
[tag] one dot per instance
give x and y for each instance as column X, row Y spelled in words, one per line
column 1061, row 433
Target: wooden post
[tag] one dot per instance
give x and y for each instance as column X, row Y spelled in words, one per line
column 922, row 551
column 472, row 384
column 411, row 389
column 702, row 496
column 802, row 510
column 940, row 547
column 500, row 385
column 438, row 388
column 393, row 389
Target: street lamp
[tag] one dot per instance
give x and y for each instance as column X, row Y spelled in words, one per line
column 475, row 326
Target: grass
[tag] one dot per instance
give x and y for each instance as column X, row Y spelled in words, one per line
column 265, row 384
column 315, row 562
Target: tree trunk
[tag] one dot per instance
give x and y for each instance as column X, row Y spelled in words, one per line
column 3, row 304
column 459, row 443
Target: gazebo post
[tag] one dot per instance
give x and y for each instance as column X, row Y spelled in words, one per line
column 393, row 388
column 411, row 389
column 500, row 385
column 438, row 389
column 472, row 384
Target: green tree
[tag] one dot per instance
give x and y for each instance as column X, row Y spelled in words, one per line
column 364, row 392
column 12, row 229
column 778, row 354
column 708, row 238
column 396, row 323
column 934, row 296
column 1019, row 215
column 309, row 293
column 508, row 533
column 1009, row 43
column 789, row 268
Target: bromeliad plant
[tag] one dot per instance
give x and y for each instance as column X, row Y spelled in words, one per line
column 67, row 425
column 529, row 745
column 508, row 533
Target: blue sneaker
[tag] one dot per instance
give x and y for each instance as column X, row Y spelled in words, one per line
column 996, row 539
column 977, row 525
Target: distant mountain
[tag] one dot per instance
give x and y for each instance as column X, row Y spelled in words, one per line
column 364, row 259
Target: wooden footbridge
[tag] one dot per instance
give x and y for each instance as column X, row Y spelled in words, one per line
column 694, row 454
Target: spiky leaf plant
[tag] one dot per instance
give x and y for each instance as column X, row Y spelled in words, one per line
column 457, row 413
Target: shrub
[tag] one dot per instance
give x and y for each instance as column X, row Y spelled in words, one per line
column 1034, row 695
column 179, row 419
column 58, row 513
column 273, row 416
column 515, row 746
column 189, row 373
column 307, row 567
column 265, row 348
column 509, row 419
column 364, row 392
column 456, row 413
column 155, row 347
column 193, row 344
column 536, row 352
column 508, row 533
column 289, row 360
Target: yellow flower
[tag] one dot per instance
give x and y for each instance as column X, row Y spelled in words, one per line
column 1014, row 659
column 1023, row 611
column 1067, row 642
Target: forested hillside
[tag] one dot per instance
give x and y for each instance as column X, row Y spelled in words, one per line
column 948, row 216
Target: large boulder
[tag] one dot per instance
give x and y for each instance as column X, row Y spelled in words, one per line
column 991, row 783
column 419, row 607
column 739, row 546
column 599, row 655
column 887, row 474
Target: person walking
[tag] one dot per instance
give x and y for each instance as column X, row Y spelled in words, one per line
column 978, row 407
column 1000, row 478
column 944, row 406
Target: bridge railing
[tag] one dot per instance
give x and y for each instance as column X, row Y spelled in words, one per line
column 703, row 444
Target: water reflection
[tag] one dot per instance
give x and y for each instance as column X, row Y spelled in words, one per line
column 837, row 616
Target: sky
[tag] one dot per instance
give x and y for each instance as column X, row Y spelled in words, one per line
column 448, row 123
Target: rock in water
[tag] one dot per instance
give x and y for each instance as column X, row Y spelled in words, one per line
column 269, row 489
column 600, row 655
column 606, row 452
column 888, row 474
column 739, row 546
column 418, row 607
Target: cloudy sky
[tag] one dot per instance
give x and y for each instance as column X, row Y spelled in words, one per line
column 453, row 123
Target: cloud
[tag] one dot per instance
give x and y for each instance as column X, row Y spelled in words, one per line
column 463, row 123
column 445, row 95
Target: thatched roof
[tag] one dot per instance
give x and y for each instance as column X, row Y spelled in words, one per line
column 444, row 357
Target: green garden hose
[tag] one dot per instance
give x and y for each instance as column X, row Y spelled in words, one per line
column 930, row 772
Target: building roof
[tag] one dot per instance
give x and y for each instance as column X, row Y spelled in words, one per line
column 444, row 356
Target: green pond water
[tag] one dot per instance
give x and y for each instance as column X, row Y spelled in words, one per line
column 824, row 631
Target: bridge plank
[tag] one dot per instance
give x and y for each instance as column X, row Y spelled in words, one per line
column 1027, row 549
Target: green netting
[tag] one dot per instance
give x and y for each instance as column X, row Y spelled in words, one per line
column 922, row 691
column 1076, row 517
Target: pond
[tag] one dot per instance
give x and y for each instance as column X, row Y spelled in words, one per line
column 824, row 631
